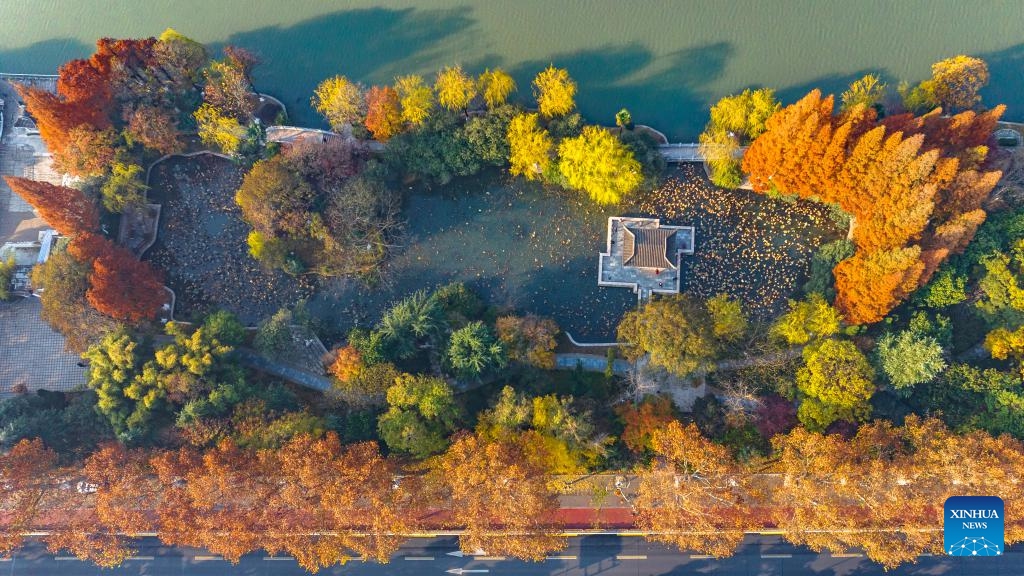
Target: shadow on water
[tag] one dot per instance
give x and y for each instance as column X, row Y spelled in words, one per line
column 612, row 77
column 370, row 45
column 1007, row 85
column 42, row 57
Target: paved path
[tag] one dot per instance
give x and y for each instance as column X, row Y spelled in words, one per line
column 588, row 555
column 289, row 373
column 590, row 363
column 686, row 152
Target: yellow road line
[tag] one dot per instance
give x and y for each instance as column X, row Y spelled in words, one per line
column 624, row 557
column 140, row 558
column 419, row 557
column 701, row 556
column 205, row 558
column 848, row 555
column 560, row 558
column 772, row 532
column 492, row 558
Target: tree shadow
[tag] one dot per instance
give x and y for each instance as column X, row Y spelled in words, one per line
column 43, row 57
column 611, row 77
column 370, row 45
column 1007, row 84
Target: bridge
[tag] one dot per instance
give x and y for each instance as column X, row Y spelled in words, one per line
column 687, row 152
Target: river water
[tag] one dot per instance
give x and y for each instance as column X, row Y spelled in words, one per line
column 664, row 60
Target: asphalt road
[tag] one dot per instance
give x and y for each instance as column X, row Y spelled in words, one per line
column 586, row 556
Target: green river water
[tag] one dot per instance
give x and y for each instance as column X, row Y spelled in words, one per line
column 664, row 60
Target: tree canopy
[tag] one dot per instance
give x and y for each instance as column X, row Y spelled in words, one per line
column 596, row 162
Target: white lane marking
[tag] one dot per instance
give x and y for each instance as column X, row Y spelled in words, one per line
column 139, row 558
column 278, row 558
column 560, row 558
column 851, row 555
column 67, row 558
column 776, row 555
column 701, row 556
column 206, row 558
column 419, row 557
column 491, row 558
column 625, row 557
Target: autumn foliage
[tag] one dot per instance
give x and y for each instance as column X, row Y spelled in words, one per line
column 383, row 115
column 914, row 186
column 120, row 285
column 66, row 209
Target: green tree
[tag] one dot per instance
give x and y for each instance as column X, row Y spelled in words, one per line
column 821, row 280
column 623, row 119
column 947, row 288
column 129, row 405
column 274, row 336
column 417, row 99
column 488, row 135
column 530, row 147
column 807, row 320
column 728, row 321
column 455, row 90
column 720, row 150
column 596, row 162
column 909, row 358
column 496, row 85
column 555, row 92
column 866, row 91
column 1002, row 299
column 124, row 187
column 6, row 277
column 836, row 383
column 675, row 330
column 745, row 115
column 918, row 98
column 421, row 413
column 408, row 324
column 473, row 351
column 340, row 101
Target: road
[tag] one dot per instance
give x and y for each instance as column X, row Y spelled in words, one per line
column 760, row 555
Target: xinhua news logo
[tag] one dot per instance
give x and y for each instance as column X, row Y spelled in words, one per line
column 973, row 526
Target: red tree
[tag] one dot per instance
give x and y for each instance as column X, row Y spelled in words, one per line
column 120, row 286
column 66, row 209
column 383, row 117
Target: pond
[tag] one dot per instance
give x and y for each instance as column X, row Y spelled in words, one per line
column 666, row 60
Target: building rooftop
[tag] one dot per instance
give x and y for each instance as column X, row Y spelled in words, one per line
column 647, row 247
column 643, row 255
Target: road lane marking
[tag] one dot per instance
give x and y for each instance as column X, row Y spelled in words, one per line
column 561, row 558
column 278, row 558
column 772, row 532
column 139, row 558
column 776, row 555
column 852, row 555
column 67, row 558
column 925, row 555
column 624, row 557
column 490, row 558
column 419, row 557
column 701, row 556
column 205, row 558
column 6, row 559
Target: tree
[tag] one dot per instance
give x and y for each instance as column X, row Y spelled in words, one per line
column 529, row 147
column 66, row 209
column 836, row 382
column 807, row 320
column 728, row 321
column 153, row 127
column 340, row 101
column 642, row 420
column 56, row 117
column 86, row 151
column 218, row 129
column 421, row 413
column 6, row 276
column 624, row 120
column 228, row 89
column 120, row 286
column 555, row 92
column 27, row 472
column 124, row 187
column 455, row 90
column 182, row 58
column 500, row 495
column 495, row 86
column 416, row 97
column 383, row 116
column 693, row 495
column 675, row 330
column 909, row 358
column 64, row 280
column 744, row 115
column 775, row 415
column 720, row 151
column 274, row 199
column 347, row 364
column 473, row 352
column 821, row 280
column 407, row 323
column 957, row 80
column 529, row 339
column 597, row 163
column 114, row 365
column 866, row 91
column 274, row 337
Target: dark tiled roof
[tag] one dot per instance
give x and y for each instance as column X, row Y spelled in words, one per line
column 647, row 247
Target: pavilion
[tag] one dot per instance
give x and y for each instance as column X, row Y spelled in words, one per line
column 644, row 255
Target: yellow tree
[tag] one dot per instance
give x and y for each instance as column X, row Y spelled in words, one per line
column 496, row 85
column 500, row 496
column 417, row 99
column 340, row 101
column 865, row 91
column 220, row 130
column 555, row 92
column 957, row 80
column 27, row 473
column 455, row 90
column 529, row 147
column 693, row 495
column 599, row 164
